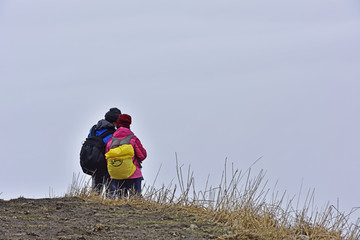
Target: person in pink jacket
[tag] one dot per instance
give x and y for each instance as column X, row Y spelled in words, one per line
column 133, row 183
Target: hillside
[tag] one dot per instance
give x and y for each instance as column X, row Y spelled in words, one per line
column 98, row 218
column 238, row 209
column 75, row 218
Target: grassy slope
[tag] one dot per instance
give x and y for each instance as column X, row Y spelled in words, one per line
column 241, row 206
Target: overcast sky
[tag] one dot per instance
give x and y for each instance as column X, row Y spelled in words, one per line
column 206, row 79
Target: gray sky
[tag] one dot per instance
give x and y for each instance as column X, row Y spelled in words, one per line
column 206, row 79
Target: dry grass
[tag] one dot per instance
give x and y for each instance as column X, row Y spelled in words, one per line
column 243, row 204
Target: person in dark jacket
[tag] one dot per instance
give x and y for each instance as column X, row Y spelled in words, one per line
column 101, row 178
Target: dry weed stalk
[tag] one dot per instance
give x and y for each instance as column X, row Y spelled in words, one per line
column 242, row 204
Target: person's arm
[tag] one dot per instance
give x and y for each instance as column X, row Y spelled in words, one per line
column 140, row 151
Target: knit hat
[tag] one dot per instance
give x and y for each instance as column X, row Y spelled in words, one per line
column 124, row 120
column 112, row 115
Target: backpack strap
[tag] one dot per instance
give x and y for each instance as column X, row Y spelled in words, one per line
column 118, row 142
column 106, row 133
column 139, row 162
column 92, row 131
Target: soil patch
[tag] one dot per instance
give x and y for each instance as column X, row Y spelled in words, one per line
column 75, row 218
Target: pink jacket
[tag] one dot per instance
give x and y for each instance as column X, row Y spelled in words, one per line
column 140, row 152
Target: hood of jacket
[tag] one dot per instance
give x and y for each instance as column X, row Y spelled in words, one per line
column 122, row 132
column 104, row 124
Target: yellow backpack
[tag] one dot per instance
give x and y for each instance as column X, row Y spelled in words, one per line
column 120, row 163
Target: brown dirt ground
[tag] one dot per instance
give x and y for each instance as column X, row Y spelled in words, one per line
column 75, row 218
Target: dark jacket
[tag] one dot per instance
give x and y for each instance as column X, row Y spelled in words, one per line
column 103, row 126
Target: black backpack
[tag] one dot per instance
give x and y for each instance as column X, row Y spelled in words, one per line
column 92, row 154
